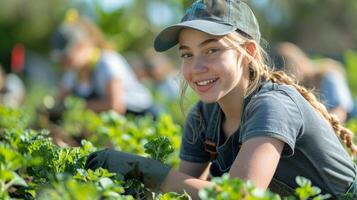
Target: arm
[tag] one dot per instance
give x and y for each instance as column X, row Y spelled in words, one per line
column 197, row 170
column 113, row 100
column 257, row 160
column 191, row 177
column 153, row 174
column 178, row 182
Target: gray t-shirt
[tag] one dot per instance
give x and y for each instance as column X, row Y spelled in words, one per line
column 111, row 66
column 311, row 150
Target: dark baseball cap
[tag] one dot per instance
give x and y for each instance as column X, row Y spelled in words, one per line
column 64, row 38
column 214, row 17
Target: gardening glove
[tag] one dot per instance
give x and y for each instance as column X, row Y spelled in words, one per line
column 151, row 172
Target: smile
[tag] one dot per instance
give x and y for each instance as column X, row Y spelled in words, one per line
column 205, row 85
column 206, row 82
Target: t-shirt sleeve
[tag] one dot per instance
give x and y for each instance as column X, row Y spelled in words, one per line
column 112, row 67
column 192, row 146
column 335, row 92
column 273, row 114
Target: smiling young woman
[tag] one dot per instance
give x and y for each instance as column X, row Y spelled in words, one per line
column 250, row 122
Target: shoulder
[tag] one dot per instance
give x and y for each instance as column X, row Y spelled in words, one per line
column 274, row 112
column 275, row 96
column 113, row 64
column 110, row 59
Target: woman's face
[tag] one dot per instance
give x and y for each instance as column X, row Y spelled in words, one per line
column 78, row 56
column 210, row 65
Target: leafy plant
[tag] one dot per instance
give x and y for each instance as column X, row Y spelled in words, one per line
column 10, row 161
column 13, row 118
column 159, row 148
column 306, row 190
column 234, row 188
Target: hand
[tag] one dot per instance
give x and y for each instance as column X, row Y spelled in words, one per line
column 151, row 172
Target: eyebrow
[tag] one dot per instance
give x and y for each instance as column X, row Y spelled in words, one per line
column 201, row 44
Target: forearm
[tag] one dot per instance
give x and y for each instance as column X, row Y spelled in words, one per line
column 179, row 182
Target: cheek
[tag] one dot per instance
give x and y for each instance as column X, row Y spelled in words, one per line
column 78, row 56
column 186, row 72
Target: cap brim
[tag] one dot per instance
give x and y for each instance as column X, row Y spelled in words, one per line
column 169, row 36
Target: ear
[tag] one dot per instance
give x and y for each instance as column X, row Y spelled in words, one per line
column 251, row 48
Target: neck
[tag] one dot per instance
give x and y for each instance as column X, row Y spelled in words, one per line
column 232, row 103
column 232, row 107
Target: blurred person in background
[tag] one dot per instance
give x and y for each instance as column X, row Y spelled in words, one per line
column 326, row 76
column 94, row 71
column 163, row 74
column 12, row 89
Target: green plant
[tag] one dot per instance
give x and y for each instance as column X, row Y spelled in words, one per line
column 234, row 188
column 159, row 148
column 351, row 69
column 306, row 190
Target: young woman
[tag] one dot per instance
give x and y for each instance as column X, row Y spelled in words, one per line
column 252, row 123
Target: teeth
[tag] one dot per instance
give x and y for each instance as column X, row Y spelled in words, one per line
column 206, row 82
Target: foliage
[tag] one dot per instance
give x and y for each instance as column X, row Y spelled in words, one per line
column 32, row 167
column 159, row 148
column 13, row 118
column 306, row 190
column 234, row 188
column 10, row 161
column 173, row 196
column 23, row 22
column 351, row 69
column 76, row 118
column 123, row 133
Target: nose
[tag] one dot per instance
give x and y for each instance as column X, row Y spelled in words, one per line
column 200, row 65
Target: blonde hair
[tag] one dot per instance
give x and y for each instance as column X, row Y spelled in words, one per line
column 259, row 71
column 91, row 31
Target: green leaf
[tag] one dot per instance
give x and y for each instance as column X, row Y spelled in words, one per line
column 106, row 182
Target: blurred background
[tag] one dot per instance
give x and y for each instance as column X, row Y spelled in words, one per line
column 320, row 27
